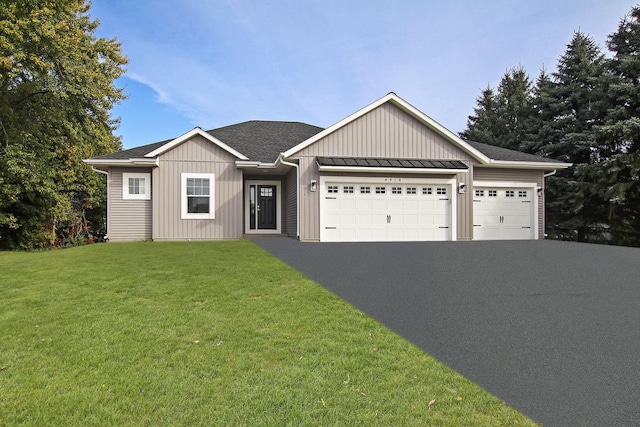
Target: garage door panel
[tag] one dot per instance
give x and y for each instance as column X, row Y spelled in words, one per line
column 387, row 212
column 501, row 213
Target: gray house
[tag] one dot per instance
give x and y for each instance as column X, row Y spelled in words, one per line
column 388, row 172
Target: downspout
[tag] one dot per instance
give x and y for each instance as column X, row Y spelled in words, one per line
column 106, row 237
column 550, row 173
column 297, row 192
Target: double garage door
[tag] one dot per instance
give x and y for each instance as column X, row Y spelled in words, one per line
column 391, row 210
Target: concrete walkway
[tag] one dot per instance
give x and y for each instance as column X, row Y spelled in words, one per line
column 552, row 328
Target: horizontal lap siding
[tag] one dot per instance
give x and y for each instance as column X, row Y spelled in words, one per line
column 197, row 156
column 516, row 175
column 128, row 220
column 386, row 132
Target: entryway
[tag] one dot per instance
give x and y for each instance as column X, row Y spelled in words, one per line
column 262, row 207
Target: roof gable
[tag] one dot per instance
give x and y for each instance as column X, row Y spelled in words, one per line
column 406, row 107
column 185, row 137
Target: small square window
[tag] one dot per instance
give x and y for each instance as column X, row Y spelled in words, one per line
column 411, row 190
column 381, row 190
column 365, row 189
column 522, row 193
column 347, row 189
column 493, row 193
column 136, row 186
column 332, row 189
column 427, row 190
column 479, row 193
column 510, row 193
column 441, row 191
column 396, row 190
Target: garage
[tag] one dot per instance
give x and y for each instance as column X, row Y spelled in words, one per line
column 385, row 209
column 504, row 212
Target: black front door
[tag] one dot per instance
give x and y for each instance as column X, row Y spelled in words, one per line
column 266, row 207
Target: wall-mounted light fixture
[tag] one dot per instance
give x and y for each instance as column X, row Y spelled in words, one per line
column 462, row 188
column 314, row 185
column 539, row 189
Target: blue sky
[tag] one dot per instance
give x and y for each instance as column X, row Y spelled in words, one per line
column 212, row 63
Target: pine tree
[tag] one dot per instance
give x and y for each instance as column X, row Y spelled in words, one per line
column 484, row 126
column 616, row 175
column 570, row 109
column 514, row 108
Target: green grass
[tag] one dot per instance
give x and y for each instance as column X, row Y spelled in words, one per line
column 208, row 333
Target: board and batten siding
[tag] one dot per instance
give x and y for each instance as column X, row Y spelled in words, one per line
column 197, row 155
column 386, row 132
column 291, row 201
column 127, row 220
column 516, row 175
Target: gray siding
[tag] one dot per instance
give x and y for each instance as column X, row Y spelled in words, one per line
column 291, row 199
column 127, row 220
column 387, row 132
column 197, row 156
column 516, row 175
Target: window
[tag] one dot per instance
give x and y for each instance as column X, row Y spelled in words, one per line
column 136, row 186
column 365, row 189
column 522, row 193
column 381, row 190
column 198, row 196
column 396, row 190
column 426, row 190
column 347, row 189
column 441, row 191
column 332, row 189
column 479, row 193
column 411, row 190
column 268, row 191
column 493, row 193
column 510, row 193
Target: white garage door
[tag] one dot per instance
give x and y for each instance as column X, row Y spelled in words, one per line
column 503, row 213
column 378, row 211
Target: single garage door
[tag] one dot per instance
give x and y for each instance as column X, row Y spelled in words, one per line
column 503, row 213
column 377, row 211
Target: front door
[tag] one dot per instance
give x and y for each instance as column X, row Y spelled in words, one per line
column 263, row 207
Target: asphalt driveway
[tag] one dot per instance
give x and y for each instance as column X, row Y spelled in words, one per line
column 552, row 328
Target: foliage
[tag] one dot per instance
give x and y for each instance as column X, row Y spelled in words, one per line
column 56, row 92
column 208, row 333
column 586, row 112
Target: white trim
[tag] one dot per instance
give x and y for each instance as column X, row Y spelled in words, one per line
column 247, row 209
column 516, row 184
column 452, row 183
column 183, row 196
column 193, row 132
column 392, row 97
column 364, row 169
column 125, row 186
column 122, row 162
column 525, row 165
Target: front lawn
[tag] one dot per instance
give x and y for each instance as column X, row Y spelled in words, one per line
column 207, row 333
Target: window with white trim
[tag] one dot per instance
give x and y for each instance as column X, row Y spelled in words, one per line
column 332, row 189
column 426, row 191
column 136, row 186
column 510, row 193
column 441, row 190
column 396, row 190
column 479, row 193
column 381, row 190
column 365, row 189
column 198, row 193
column 411, row 190
column 347, row 189
column 493, row 193
column 522, row 193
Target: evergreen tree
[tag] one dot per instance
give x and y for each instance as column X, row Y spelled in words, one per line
column 484, row 126
column 570, row 109
column 56, row 92
column 514, row 108
column 616, row 175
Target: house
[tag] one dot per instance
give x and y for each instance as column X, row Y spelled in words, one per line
column 388, row 172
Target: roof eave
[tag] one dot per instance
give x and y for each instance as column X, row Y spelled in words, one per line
column 356, row 169
column 122, row 162
column 525, row 165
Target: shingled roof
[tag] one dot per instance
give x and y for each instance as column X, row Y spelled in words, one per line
column 499, row 153
column 263, row 141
